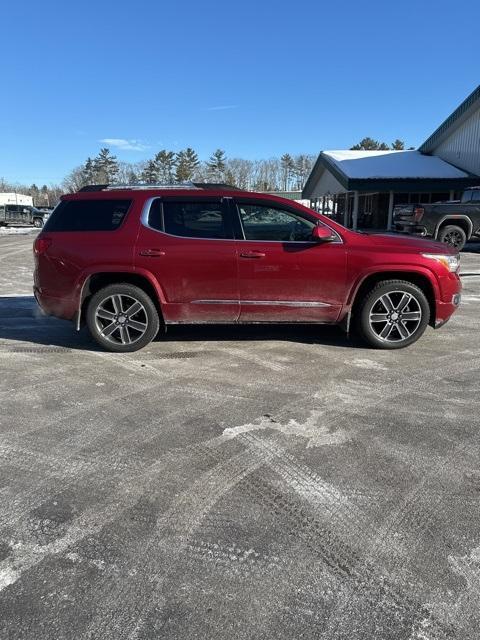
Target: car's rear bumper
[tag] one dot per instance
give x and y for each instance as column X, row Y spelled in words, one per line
column 53, row 306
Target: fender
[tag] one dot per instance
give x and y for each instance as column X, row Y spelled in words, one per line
column 453, row 217
column 84, row 278
column 400, row 268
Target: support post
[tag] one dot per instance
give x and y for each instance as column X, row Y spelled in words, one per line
column 323, row 204
column 345, row 211
column 355, row 211
column 390, row 211
column 452, row 194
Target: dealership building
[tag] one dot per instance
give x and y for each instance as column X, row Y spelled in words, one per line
column 360, row 188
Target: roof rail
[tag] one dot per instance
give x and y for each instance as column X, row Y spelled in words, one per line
column 178, row 185
column 138, row 185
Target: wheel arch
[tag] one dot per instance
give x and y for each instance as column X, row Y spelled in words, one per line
column 463, row 222
column 421, row 280
column 100, row 279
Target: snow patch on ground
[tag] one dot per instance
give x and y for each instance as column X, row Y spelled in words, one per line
column 16, row 231
column 312, row 429
column 7, row 577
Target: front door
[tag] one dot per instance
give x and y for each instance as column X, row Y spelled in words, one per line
column 283, row 275
column 187, row 244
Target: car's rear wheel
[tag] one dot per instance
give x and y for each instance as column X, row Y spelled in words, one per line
column 453, row 236
column 392, row 315
column 122, row 318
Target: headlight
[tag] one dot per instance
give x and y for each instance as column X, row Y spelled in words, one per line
column 451, row 262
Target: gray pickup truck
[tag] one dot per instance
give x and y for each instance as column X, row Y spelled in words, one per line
column 20, row 214
column 453, row 222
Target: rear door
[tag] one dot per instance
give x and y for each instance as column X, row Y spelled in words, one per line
column 283, row 275
column 187, row 244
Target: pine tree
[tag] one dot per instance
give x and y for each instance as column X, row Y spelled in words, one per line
column 89, row 172
column 105, row 167
column 216, row 166
column 398, row 145
column 186, row 163
column 165, row 161
column 150, row 173
column 367, row 144
column 288, row 165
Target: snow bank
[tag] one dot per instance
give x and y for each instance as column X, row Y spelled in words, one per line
column 391, row 164
column 8, row 231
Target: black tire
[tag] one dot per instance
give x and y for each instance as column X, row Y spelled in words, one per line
column 109, row 315
column 453, row 235
column 373, row 307
column 38, row 223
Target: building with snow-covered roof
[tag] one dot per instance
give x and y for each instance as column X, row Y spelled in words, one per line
column 360, row 188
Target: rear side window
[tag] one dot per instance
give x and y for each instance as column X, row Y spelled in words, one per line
column 191, row 219
column 88, row 215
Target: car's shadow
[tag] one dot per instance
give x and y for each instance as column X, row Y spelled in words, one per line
column 471, row 247
column 22, row 321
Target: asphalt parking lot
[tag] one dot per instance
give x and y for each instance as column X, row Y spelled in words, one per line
column 237, row 483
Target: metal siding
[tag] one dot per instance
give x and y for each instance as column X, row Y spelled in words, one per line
column 462, row 147
column 327, row 184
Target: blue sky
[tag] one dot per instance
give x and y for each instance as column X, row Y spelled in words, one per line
column 255, row 77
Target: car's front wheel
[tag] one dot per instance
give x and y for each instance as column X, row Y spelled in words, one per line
column 38, row 223
column 392, row 315
column 122, row 318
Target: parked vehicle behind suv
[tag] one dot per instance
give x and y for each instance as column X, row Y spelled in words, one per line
column 453, row 222
column 127, row 261
column 19, row 214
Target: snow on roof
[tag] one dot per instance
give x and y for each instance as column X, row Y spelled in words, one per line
column 391, row 164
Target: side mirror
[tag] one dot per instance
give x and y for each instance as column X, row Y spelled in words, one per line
column 322, row 234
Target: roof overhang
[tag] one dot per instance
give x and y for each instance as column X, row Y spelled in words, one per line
column 401, row 184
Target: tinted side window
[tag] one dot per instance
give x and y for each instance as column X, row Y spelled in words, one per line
column 196, row 220
column 88, row 215
column 261, row 222
column 476, row 196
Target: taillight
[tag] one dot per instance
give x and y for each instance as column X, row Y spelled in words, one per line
column 418, row 213
column 41, row 245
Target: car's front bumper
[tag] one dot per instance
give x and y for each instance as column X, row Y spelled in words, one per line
column 450, row 297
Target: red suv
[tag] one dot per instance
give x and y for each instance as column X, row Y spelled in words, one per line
column 127, row 260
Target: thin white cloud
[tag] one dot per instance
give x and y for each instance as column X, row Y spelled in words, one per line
column 125, row 145
column 223, row 107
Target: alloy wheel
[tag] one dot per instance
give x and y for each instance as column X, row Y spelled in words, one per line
column 121, row 319
column 395, row 316
column 453, row 238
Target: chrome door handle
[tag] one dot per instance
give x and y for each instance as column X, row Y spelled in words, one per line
column 252, row 254
column 152, row 253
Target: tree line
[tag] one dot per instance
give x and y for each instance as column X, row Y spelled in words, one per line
column 285, row 173
column 170, row 167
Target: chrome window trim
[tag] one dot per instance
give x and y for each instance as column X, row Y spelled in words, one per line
column 148, row 203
